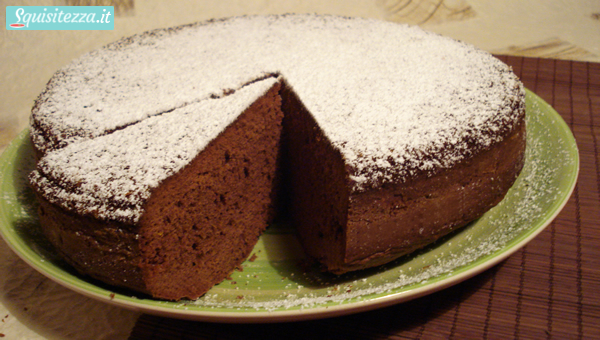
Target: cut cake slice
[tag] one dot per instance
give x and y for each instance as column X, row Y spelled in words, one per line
column 171, row 205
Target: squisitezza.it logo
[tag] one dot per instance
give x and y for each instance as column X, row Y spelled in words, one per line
column 60, row 17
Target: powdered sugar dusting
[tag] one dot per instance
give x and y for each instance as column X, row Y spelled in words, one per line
column 395, row 100
column 112, row 176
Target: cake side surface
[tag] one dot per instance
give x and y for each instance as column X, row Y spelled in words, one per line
column 398, row 219
column 316, row 183
column 105, row 250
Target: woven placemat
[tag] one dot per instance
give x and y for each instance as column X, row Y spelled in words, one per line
column 548, row 289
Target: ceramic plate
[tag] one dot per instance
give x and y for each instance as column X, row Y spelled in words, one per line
column 276, row 284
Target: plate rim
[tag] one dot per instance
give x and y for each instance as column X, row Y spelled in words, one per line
column 152, row 306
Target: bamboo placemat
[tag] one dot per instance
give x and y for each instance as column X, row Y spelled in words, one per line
column 548, row 289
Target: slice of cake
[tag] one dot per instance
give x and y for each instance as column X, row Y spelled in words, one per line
column 169, row 206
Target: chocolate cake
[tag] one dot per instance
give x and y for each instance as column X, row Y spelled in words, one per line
column 163, row 155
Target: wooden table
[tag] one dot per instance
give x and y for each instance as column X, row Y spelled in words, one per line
column 548, row 289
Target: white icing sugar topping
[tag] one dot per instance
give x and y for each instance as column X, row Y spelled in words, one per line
column 394, row 99
column 113, row 174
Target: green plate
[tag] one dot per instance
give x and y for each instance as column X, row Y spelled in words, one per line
column 276, row 284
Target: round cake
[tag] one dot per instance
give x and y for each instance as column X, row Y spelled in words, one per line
column 163, row 156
